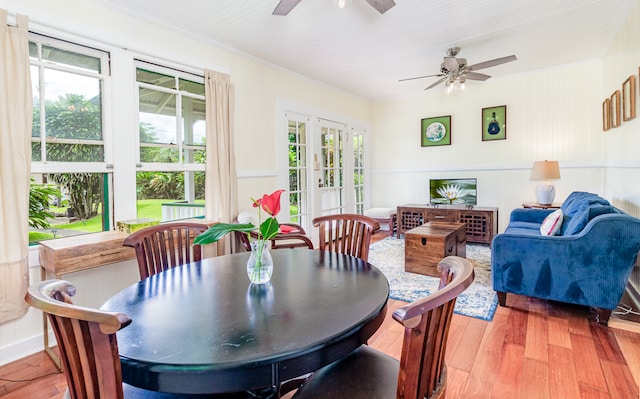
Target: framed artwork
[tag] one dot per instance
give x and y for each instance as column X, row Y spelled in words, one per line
column 494, row 123
column 614, row 115
column 629, row 98
column 606, row 114
column 435, row 131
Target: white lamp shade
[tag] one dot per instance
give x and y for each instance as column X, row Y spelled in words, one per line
column 545, row 170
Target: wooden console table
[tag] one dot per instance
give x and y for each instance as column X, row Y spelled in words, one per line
column 481, row 222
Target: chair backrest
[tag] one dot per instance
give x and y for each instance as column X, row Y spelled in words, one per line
column 86, row 339
column 165, row 245
column 426, row 323
column 346, row 233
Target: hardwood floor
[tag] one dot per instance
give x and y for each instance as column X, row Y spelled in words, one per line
column 531, row 349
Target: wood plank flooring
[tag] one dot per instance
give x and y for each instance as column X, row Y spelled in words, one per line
column 531, row 349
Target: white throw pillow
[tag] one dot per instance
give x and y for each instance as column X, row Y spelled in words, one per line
column 552, row 223
column 379, row 213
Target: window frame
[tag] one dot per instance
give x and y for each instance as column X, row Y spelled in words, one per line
column 177, row 74
column 104, row 167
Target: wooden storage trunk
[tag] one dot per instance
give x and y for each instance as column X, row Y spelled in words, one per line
column 428, row 244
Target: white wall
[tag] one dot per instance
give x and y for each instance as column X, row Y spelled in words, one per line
column 552, row 114
column 621, row 146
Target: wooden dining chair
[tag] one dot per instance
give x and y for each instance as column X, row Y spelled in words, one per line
column 89, row 347
column 346, row 233
column 165, row 245
column 421, row 371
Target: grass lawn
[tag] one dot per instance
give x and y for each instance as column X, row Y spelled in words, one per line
column 146, row 209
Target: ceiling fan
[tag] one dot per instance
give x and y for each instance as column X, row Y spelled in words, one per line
column 284, row 6
column 455, row 69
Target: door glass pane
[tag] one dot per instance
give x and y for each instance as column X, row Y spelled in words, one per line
column 332, row 200
column 358, row 170
column 298, row 207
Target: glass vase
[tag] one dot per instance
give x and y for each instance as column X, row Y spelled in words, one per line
column 260, row 263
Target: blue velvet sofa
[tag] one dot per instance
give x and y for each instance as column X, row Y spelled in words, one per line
column 588, row 263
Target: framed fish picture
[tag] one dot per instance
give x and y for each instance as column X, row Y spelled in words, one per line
column 494, row 123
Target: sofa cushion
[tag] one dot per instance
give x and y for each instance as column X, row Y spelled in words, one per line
column 577, row 199
column 522, row 231
column 575, row 223
column 524, row 225
column 551, row 224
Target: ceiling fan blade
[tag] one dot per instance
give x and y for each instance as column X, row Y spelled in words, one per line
column 476, row 76
column 284, row 6
column 491, row 63
column 381, row 6
column 420, row 77
column 451, row 64
column 437, row 82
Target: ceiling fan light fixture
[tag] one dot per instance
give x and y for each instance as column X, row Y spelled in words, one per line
column 455, row 71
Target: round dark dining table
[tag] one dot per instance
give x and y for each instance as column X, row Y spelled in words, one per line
column 204, row 328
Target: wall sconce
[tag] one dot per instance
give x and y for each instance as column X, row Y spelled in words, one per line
column 545, row 171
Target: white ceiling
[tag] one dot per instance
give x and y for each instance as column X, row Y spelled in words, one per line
column 360, row 51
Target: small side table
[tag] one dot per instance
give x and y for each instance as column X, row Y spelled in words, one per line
column 540, row 206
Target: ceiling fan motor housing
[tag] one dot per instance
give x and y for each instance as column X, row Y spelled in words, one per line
column 462, row 63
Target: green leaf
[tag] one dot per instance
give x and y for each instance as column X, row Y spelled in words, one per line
column 217, row 231
column 269, row 228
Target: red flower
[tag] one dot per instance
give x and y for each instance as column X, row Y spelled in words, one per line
column 270, row 203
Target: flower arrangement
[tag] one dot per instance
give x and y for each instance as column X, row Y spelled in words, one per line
column 450, row 192
column 266, row 231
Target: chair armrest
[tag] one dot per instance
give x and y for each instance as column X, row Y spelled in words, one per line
column 291, row 240
column 534, row 215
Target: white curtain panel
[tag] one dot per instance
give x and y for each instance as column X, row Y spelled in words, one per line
column 15, row 165
column 221, row 182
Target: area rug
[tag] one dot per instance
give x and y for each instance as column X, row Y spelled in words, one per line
column 479, row 300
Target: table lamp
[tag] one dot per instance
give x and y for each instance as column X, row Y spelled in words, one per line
column 545, row 171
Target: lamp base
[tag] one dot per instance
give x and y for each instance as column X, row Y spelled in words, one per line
column 545, row 193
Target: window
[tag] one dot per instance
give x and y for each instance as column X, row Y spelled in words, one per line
column 67, row 139
column 171, row 119
column 67, row 102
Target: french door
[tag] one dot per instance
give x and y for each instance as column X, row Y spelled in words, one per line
column 331, row 172
column 299, row 169
column 326, row 168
